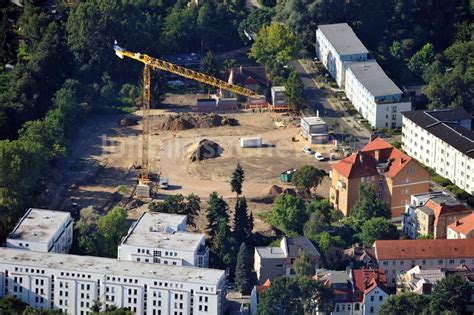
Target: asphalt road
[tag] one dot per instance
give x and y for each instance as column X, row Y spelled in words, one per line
column 317, row 101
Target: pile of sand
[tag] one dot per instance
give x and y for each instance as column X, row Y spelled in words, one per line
column 274, row 190
column 185, row 121
column 204, row 149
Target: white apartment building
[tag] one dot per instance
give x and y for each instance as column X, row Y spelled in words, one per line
column 374, row 95
column 162, row 238
column 397, row 256
column 444, row 141
column 337, row 45
column 42, row 230
column 72, row 283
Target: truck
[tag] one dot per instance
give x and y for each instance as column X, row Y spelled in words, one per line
column 253, row 142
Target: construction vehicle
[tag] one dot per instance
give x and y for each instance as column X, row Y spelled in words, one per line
column 143, row 188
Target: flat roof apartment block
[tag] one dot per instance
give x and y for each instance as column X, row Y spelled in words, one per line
column 72, row 283
column 443, row 140
column 162, row 238
column 336, row 45
column 42, row 230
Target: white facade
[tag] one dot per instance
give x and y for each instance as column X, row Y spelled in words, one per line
column 373, row 300
column 336, row 45
column 72, row 284
column 161, row 238
column 42, row 231
column 374, row 95
column 278, row 95
column 439, row 155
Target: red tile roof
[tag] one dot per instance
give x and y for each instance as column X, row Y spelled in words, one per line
column 424, row 249
column 464, row 225
column 264, row 287
column 365, row 280
column 363, row 163
column 442, row 210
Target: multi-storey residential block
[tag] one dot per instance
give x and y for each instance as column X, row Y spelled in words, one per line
column 397, row 256
column 71, row 284
column 42, row 231
column 161, row 238
column 431, row 213
column 273, row 262
column 374, row 95
column 356, row 292
column 443, row 140
column 462, row 228
column 370, row 90
column 337, row 45
column 395, row 176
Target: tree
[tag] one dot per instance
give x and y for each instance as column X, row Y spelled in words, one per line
column 326, row 241
column 451, row 294
column 11, row 305
column 295, row 295
column 307, row 177
column 294, row 91
column 209, row 65
column 223, row 247
column 336, row 259
column 405, row 303
column 244, row 277
column 315, row 225
column 421, row 59
column 275, row 47
column 243, row 222
column 87, row 238
column 216, row 212
column 378, row 229
column 323, row 207
column 255, row 20
column 178, row 204
column 396, row 50
column 303, row 265
column 449, row 79
column 289, row 214
column 369, row 205
column 112, row 227
column 238, row 177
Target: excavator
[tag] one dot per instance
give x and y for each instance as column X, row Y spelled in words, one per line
column 151, row 63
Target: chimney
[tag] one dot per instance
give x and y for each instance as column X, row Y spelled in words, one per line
column 458, row 223
column 401, row 160
column 377, row 155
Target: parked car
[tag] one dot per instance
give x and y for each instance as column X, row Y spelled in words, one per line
column 319, row 156
column 308, row 150
column 164, row 183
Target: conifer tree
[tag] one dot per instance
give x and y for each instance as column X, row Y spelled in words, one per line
column 244, row 277
column 237, row 180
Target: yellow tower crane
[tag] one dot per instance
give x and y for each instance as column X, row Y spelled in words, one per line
column 157, row 64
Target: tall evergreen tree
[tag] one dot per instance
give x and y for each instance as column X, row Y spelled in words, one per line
column 237, row 180
column 222, row 249
column 244, row 277
column 216, row 212
column 243, row 221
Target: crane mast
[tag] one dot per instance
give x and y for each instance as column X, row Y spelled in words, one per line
column 158, row 64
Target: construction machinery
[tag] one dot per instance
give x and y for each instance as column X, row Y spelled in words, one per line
column 143, row 188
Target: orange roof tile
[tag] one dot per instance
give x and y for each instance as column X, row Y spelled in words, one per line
column 264, row 287
column 364, row 163
column 423, row 249
column 442, row 210
column 464, row 225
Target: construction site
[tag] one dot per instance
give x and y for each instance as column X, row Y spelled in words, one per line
column 121, row 159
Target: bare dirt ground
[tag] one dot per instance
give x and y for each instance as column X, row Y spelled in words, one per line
column 99, row 169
